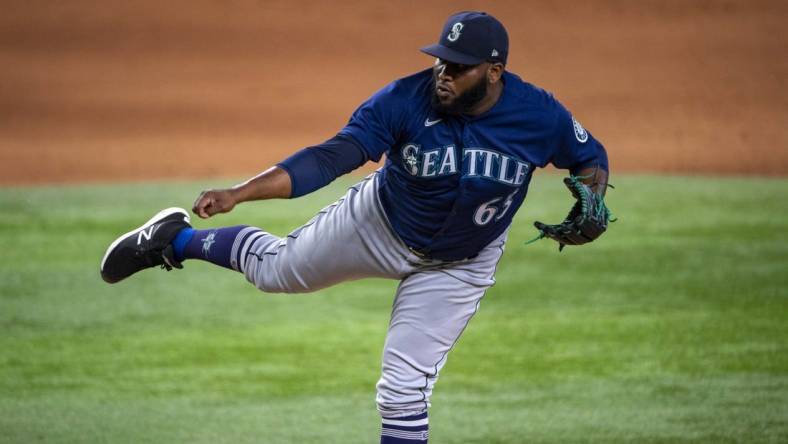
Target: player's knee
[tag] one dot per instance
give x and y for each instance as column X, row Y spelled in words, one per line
column 272, row 282
column 267, row 287
column 286, row 279
column 276, row 286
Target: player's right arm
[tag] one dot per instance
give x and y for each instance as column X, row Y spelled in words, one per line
column 272, row 183
column 305, row 171
column 372, row 129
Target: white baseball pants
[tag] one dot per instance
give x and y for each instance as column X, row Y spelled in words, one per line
column 352, row 239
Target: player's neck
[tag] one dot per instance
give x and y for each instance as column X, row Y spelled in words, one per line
column 484, row 105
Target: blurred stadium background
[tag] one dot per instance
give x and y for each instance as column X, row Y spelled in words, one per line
column 673, row 328
column 94, row 90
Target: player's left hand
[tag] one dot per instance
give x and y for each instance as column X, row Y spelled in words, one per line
column 587, row 220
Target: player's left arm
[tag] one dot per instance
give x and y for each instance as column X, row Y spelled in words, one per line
column 577, row 150
column 586, row 159
column 595, row 178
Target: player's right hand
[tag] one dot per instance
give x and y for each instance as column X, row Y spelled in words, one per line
column 212, row 202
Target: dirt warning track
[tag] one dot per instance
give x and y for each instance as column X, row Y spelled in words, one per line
column 104, row 91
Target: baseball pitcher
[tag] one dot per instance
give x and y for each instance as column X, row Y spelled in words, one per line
column 462, row 140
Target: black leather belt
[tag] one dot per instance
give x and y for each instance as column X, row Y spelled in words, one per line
column 425, row 256
column 418, row 253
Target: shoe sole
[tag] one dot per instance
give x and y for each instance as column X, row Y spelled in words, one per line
column 160, row 215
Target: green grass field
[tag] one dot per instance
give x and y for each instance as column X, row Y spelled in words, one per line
column 673, row 328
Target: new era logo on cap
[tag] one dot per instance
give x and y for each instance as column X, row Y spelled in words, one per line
column 470, row 38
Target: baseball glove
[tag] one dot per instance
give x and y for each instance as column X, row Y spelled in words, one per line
column 586, row 221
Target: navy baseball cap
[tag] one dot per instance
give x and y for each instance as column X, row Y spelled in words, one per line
column 470, row 38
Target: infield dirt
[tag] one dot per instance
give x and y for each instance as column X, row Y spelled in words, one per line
column 106, row 91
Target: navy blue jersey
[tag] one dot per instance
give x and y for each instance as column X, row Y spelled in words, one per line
column 450, row 185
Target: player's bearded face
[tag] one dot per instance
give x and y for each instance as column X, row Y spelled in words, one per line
column 455, row 88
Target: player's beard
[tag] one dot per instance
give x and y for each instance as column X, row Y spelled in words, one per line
column 463, row 103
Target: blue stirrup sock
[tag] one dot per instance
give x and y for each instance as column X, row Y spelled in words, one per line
column 407, row 430
column 214, row 245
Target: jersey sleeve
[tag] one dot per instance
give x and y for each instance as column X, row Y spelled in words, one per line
column 575, row 147
column 314, row 167
column 377, row 123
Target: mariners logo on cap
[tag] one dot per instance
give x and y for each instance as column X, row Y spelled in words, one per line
column 456, row 29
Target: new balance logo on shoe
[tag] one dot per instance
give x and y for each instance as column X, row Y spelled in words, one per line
column 145, row 247
column 147, row 235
